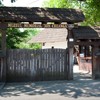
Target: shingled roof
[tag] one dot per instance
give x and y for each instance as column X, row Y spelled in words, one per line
column 50, row 35
column 86, row 32
column 24, row 14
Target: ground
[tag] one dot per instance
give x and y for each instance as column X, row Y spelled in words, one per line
column 81, row 88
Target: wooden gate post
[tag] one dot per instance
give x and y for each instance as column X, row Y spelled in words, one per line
column 95, row 63
column 3, row 51
column 70, row 53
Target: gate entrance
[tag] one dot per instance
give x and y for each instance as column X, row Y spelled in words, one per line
column 87, row 40
column 83, row 65
column 23, row 17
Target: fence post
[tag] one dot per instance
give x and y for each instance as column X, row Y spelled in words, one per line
column 3, row 49
column 70, row 52
column 95, row 62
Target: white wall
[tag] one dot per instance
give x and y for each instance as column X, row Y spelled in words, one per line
column 62, row 45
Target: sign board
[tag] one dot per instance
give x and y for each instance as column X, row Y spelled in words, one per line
column 19, row 25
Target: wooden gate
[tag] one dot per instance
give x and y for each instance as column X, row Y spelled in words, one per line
column 37, row 65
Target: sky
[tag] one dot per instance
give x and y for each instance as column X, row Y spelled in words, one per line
column 24, row 3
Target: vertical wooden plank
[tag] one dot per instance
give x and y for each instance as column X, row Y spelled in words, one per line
column 14, row 64
column 21, row 63
column 3, row 48
column 1, row 69
column 22, row 58
column 28, row 65
column 10, row 65
column 52, row 68
column 58, row 64
column 47, row 70
column 26, row 78
column 33, row 69
column 61, row 63
column 61, row 66
column 51, row 64
column 48, row 67
column 55, row 63
column 65, row 63
column 43, row 66
column 39, row 68
column 17, row 65
column 35, row 64
column 70, row 75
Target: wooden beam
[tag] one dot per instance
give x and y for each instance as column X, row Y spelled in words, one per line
column 70, row 62
column 24, row 25
column 87, row 43
column 70, row 54
column 3, row 25
column 3, row 49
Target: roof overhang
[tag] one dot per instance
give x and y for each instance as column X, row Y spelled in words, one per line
column 86, row 32
column 25, row 14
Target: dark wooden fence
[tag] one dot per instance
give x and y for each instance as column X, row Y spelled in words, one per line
column 37, row 65
column 2, row 70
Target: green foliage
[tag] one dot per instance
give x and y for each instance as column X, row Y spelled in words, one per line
column 90, row 8
column 29, row 46
column 18, row 39
column 92, row 13
column 60, row 3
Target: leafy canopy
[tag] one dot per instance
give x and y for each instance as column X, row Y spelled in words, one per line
column 18, row 39
column 90, row 8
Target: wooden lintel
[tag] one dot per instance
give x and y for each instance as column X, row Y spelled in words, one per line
column 88, row 43
column 32, row 25
column 30, row 22
column 20, row 25
column 3, row 25
column 57, row 22
column 44, row 22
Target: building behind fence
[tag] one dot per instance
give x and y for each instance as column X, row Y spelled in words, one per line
column 36, row 65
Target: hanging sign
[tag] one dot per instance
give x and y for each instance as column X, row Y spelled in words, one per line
column 19, row 25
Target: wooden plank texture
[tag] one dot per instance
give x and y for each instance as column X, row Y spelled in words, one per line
column 36, row 65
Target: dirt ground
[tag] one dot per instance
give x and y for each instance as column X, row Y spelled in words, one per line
column 81, row 88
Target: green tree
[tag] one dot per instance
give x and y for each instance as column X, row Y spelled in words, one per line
column 18, row 39
column 90, row 8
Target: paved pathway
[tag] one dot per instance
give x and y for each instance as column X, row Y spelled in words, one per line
column 81, row 88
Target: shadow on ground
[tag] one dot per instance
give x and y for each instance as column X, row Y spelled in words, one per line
column 79, row 87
